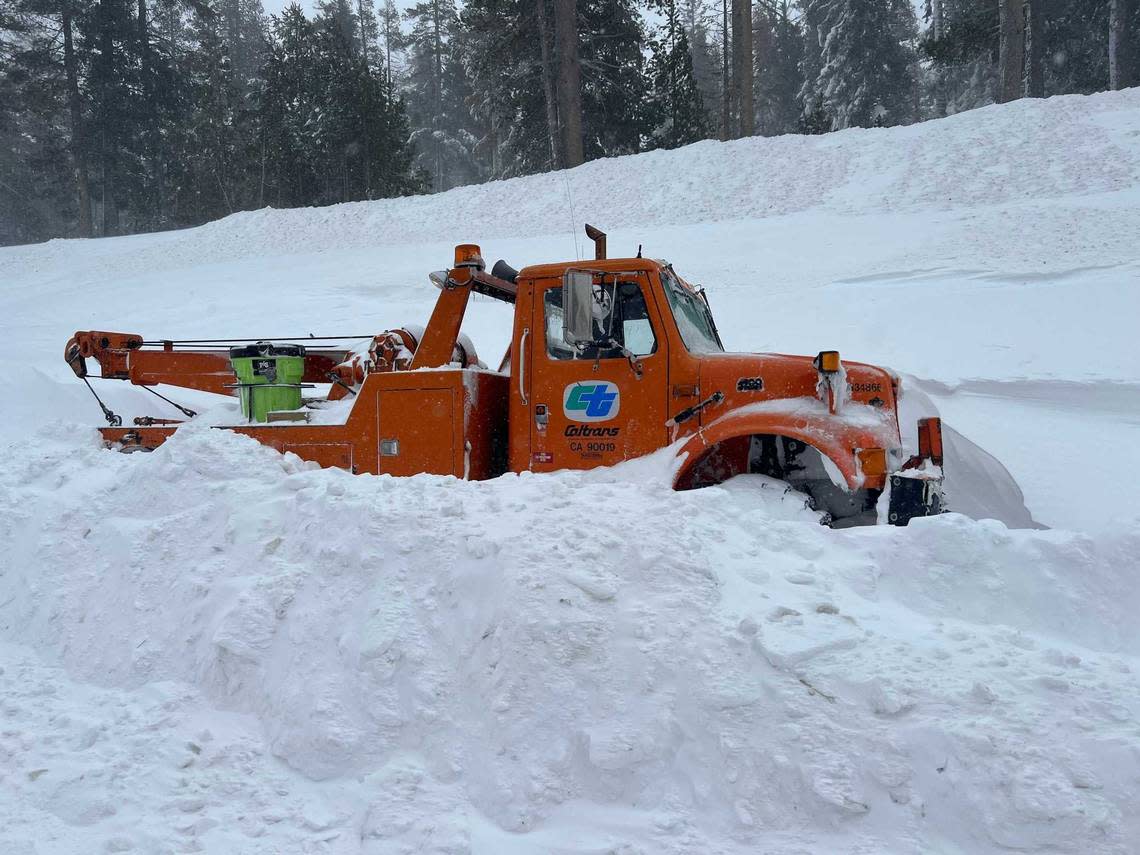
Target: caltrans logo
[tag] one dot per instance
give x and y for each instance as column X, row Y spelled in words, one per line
column 591, row 402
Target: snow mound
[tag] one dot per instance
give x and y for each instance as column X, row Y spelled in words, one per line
column 588, row 660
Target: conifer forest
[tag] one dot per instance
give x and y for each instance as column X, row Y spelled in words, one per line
column 127, row 116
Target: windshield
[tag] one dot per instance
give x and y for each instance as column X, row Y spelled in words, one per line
column 692, row 314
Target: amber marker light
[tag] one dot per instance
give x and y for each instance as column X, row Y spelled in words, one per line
column 827, row 361
column 468, row 255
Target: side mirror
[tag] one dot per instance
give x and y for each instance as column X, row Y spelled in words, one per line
column 577, row 307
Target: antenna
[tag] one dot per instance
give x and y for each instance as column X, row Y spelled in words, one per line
column 573, row 220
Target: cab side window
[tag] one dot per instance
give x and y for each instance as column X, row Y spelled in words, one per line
column 621, row 322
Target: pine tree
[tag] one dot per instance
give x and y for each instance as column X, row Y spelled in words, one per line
column 815, row 119
column 392, row 44
column 614, row 85
column 129, row 115
column 212, row 156
column 1122, row 37
column 743, row 81
column 37, row 192
column 107, row 36
column 161, row 111
column 866, row 61
column 961, row 43
column 337, row 16
column 678, row 115
column 1077, row 43
column 435, row 92
column 1011, row 50
column 568, row 81
column 701, row 32
column 244, row 29
column 497, row 41
column 779, row 43
column 503, row 58
column 332, row 133
column 367, row 35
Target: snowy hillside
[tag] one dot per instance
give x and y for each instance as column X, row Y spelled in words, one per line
column 216, row 648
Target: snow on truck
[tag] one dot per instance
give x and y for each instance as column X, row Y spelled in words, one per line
column 609, row 360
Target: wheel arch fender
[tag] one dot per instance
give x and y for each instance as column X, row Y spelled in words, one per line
column 834, row 441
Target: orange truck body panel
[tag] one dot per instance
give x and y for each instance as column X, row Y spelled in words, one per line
column 444, row 422
column 546, row 411
column 565, row 443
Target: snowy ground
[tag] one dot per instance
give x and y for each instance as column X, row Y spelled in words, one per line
column 214, row 648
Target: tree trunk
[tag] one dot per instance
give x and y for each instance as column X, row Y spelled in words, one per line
column 734, row 79
column 1119, row 45
column 142, row 34
column 234, row 29
column 78, row 136
column 548, row 86
column 110, row 182
column 936, row 22
column 1011, row 50
column 673, row 25
column 725, row 83
column 261, row 178
column 108, row 139
column 150, row 100
column 438, row 47
column 1034, row 82
column 569, row 80
column 388, row 51
column 742, row 67
column 363, row 32
column 366, row 107
column 496, row 162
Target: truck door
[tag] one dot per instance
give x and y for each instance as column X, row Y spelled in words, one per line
column 590, row 407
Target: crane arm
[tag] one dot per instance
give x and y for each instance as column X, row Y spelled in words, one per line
column 190, row 365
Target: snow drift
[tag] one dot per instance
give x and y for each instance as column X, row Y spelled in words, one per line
column 217, row 647
column 524, row 655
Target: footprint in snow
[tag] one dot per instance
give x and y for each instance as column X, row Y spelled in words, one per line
column 781, row 612
column 1055, row 684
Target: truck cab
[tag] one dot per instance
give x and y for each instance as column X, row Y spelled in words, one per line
column 613, row 359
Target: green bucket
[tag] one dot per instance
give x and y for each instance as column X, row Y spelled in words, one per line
column 268, row 378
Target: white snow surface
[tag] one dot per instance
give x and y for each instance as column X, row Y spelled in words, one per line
column 218, row 648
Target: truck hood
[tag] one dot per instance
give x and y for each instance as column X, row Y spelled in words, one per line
column 769, row 381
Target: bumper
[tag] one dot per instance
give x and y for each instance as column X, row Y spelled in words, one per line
column 916, row 489
column 914, row 496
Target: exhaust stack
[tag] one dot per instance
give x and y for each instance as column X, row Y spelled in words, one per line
column 599, row 239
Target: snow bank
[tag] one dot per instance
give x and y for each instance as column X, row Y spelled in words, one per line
column 992, row 156
column 512, row 660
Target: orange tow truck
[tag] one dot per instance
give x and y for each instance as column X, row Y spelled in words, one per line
column 610, row 359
